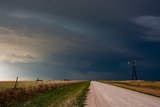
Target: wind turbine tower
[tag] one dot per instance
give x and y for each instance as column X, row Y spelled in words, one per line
column 134, row 73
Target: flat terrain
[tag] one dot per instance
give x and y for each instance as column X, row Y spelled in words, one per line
column 27, row 84
column 71, row 95
column 44, row 94
column 105, row 95
column 148, row 87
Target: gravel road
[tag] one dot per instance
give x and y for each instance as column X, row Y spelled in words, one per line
column 104, row 95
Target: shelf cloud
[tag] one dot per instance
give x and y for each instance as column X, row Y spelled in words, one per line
column 152, row 24
column 79, row 37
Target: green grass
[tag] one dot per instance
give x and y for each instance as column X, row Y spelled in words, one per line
column 80, row 101
column 70, row 95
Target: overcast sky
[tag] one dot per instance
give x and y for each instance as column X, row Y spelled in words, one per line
column 79, row 39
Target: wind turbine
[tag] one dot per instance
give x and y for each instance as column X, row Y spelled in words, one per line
column 134, row 73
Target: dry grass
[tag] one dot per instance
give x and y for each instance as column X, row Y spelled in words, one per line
column 27, row 89
column 26, row 84
column 148, row 87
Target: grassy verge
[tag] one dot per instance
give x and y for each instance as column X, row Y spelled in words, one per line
column 11, row 96
column 147, row 87
column 80, row 101
column 68, row 96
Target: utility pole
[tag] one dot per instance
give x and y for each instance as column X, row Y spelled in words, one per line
column 134, row 73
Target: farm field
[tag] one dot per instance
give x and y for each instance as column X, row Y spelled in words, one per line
column 28, row 84
column 46, row 93
column 148, row 87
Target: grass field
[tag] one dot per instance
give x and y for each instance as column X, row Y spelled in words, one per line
column 46, row 93
column 27, row 84
column 148, row 87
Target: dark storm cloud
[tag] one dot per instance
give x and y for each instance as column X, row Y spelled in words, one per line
column 153, row 25
column 81, row 37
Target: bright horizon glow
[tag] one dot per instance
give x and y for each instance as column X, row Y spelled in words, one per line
column 9, row 72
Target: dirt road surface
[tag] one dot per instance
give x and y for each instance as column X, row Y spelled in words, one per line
column 104, row 95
